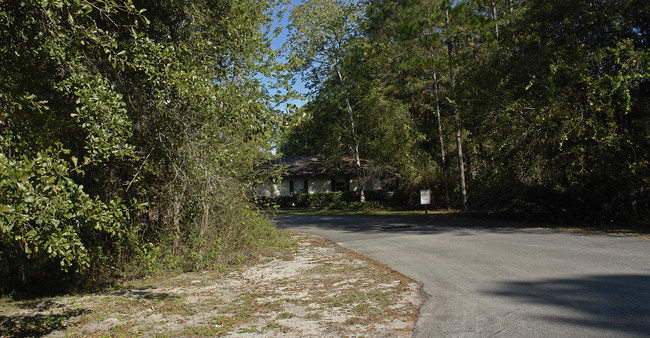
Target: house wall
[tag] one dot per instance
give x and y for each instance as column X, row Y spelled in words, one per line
column 315, row 184
column 273, row 189
column 268, row 189
column 371, row 184
column 319, row 184
column 285, row 191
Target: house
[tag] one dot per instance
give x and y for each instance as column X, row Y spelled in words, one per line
column 310, row 174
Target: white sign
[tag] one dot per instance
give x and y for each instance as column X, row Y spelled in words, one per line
column 425, row 196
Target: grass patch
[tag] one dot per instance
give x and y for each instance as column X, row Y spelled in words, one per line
column 356, row 321
column 216, row 327
column 276, row 327
column 285, row 315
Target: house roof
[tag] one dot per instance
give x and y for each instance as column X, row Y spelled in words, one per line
column 306, row 165
column 314, row 165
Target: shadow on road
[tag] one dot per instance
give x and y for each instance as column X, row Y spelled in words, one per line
column 606, row 294
column 619, row 303
column 413, row 225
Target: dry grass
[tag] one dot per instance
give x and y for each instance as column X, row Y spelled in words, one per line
column 314, row 288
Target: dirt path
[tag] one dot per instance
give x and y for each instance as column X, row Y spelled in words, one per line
column 316, row 288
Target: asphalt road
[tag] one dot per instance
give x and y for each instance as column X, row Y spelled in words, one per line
column 488, row 278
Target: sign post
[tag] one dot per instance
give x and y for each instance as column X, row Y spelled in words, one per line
column 425, row 199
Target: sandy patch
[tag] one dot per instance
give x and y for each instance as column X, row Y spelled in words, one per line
column 316, row 289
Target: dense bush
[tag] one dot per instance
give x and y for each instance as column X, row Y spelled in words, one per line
column 123, row 148
column 303, row 200
column 333, row 200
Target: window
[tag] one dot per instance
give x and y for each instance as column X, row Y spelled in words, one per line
column 340, row 184
column 298, row 187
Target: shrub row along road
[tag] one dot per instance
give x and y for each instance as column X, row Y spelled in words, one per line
column 488, row 278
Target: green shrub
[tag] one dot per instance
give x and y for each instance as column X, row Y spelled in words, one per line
column 48, row 220
column 333, row 200
column 340, row 205
column 374, row 205
column 302, row 200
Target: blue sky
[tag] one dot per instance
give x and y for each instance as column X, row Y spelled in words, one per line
column 277, row 44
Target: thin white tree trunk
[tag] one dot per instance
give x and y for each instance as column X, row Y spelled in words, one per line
column 459, row 143
column 495, row 17
column 355, row 146
column 443, row 155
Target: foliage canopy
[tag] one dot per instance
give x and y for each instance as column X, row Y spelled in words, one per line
column 131, row 125
column 548, row 99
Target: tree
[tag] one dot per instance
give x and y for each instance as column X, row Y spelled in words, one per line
column 320, row 32
column 407, row 33
column 123, row 128
column 426, row 38
column 59, row 117
column 212, row 118
column 566, row 89
column 387, row 136
column 548, row 99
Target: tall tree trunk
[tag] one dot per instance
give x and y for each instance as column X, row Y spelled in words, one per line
column 495, row 18
column 355, row 146
column 459, row 145
column 443, row 155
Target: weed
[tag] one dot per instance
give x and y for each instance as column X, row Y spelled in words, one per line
column 204, row 331
column 123, row 330
column 277, row 327
column 356, row 321
column 285, row 315
column 176, row 307
column 216, row 326
column 314, row 315
column 362, row 308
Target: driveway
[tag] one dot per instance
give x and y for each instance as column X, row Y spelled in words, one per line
column 488, row 278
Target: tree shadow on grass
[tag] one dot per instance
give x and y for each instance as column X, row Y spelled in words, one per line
column 143, row 293
column 619, row 303
column 34, row 325
column 44, row 316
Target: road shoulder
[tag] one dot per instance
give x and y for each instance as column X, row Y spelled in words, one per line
column 315, row 288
